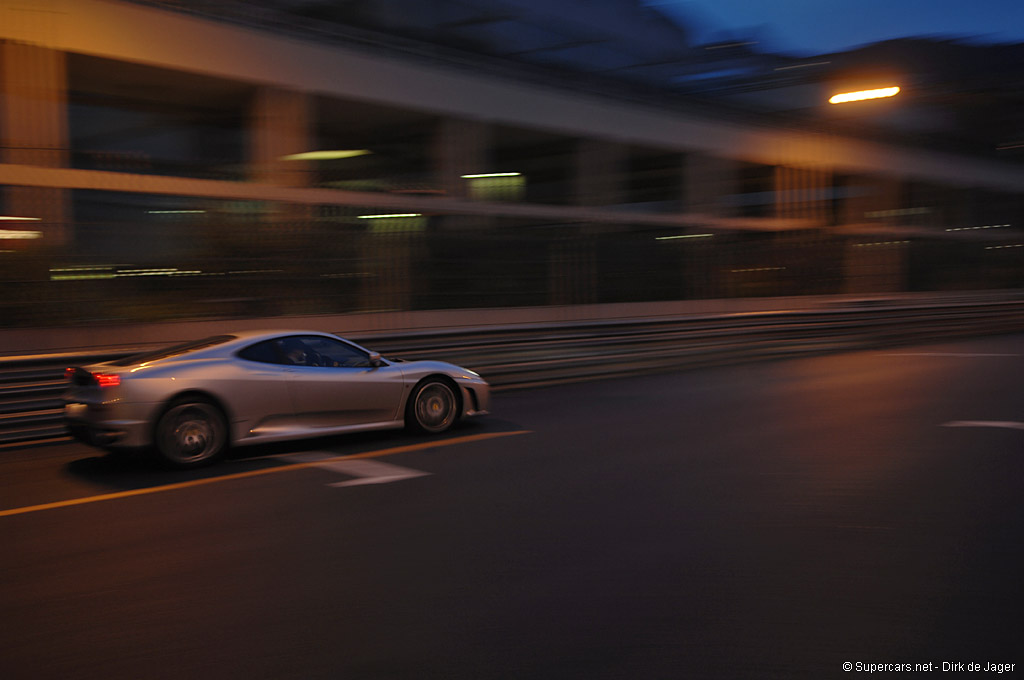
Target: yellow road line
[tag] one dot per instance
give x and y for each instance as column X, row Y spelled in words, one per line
column 34, row 442
column 256, row 473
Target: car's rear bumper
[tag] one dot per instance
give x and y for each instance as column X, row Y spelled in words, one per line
column 92, row 424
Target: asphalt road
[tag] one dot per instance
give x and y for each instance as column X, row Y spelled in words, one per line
column 771, row 520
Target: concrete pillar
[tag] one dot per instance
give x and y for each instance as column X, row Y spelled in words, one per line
column 572, row 271
column 708, row 180
column 802, row 194
column 388, row 258
column 280, row 125
column 461, row 147
column 599, row 178
column 876, row 263
column 600, row 172
column 34, row 131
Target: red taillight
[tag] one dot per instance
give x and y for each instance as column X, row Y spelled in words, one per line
column 107, row 379
column 69, row 373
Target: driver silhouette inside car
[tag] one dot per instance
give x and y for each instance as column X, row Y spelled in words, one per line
column 298, row 354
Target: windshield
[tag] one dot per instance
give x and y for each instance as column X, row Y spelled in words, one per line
column 172, row 351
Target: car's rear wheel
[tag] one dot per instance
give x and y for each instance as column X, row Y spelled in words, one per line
column 433, row 406
column 191, row 432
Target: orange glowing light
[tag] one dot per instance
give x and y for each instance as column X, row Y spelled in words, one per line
column 861, row 95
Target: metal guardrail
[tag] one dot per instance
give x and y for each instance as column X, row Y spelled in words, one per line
column 540, row 354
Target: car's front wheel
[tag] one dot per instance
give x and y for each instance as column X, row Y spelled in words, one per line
column 433, row 407
column 191, row 432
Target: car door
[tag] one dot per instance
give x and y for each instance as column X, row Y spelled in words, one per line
column 260, row 397
column 333, row 384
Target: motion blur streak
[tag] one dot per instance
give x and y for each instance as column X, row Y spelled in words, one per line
column 880, row 93
column 256, row 473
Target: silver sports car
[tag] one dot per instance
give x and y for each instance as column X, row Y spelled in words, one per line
column 191, row 401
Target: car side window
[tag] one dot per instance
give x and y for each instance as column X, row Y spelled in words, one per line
column 265, row 352
column 327, row 352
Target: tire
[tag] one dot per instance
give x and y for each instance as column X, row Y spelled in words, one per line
column 190, row 433
column 433, row 406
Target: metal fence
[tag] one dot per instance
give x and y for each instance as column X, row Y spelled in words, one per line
column 531, row 354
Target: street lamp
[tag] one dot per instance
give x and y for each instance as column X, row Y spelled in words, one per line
column 861, row 95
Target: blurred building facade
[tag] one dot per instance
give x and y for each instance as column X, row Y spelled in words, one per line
column 179, row 158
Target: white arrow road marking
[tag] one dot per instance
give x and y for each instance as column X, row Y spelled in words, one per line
column 365, row 471
column 1007, row 424
column 375, row 472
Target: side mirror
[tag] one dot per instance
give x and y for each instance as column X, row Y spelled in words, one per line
column 375, row 360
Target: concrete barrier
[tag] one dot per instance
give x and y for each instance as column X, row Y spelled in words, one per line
column 523, row 348
column 79, row 338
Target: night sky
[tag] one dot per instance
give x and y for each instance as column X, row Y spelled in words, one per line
column 807, row 27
